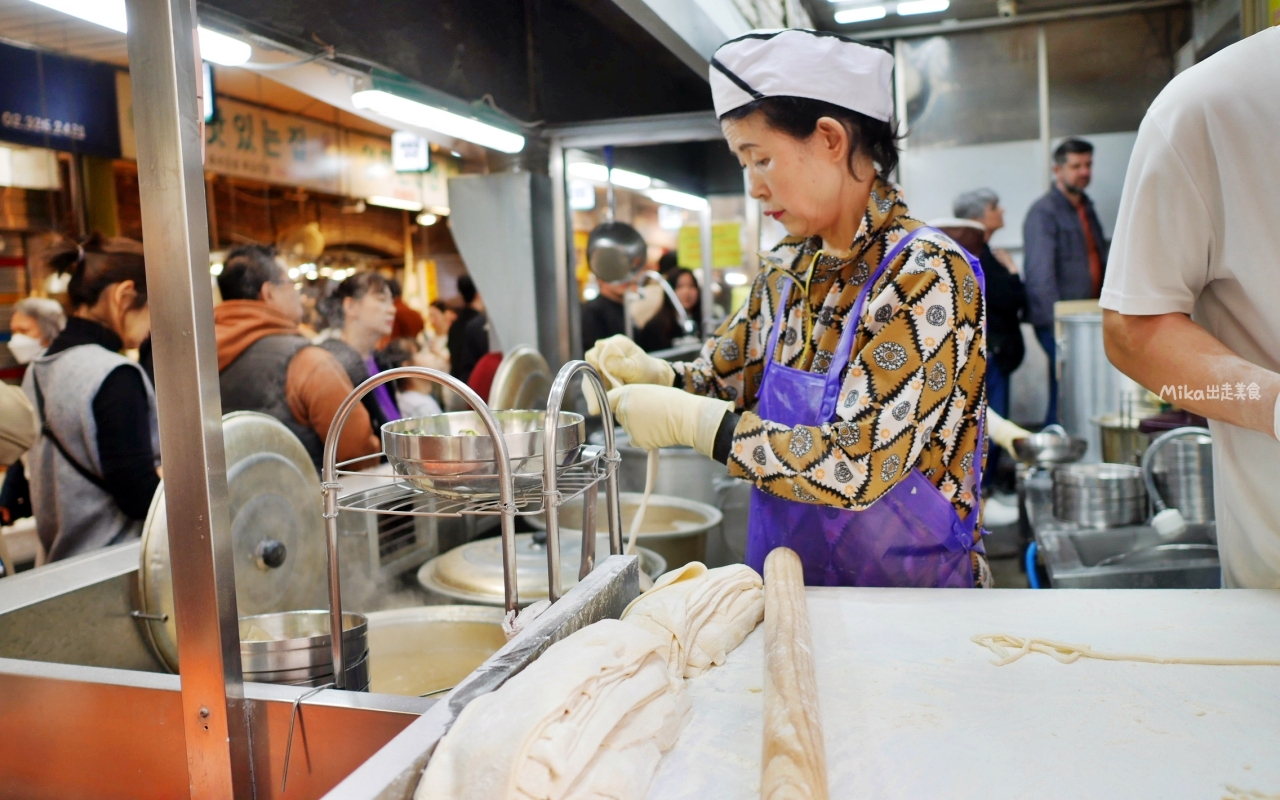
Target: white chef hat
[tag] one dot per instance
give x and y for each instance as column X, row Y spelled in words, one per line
column 800, row 63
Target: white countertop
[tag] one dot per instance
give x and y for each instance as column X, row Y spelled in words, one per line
column 912, row 708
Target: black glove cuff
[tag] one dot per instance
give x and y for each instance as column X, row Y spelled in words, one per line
column 724, row 437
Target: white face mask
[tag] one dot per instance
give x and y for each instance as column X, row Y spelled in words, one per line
column 24, row 348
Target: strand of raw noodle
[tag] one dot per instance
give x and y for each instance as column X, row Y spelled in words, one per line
column 1002, row 643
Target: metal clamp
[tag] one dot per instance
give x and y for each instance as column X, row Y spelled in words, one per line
column 293, row 715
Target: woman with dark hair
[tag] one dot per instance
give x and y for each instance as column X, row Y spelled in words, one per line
column 661, row 332
column 849, row 387
column 94, row 469
column 362, row 309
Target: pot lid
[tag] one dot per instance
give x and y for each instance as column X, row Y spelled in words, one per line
column 277, row 531
column 523, row 380
column 473, row 572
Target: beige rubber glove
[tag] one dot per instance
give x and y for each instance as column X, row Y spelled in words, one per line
column 659, row 416
column 1003, row 432
column 621, row 361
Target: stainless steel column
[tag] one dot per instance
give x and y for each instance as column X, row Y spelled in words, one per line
column 164, row 69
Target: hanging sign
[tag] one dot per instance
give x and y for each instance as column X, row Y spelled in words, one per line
column 726, row 245
column 58, row 102
column 410, row 152
column 246, row 141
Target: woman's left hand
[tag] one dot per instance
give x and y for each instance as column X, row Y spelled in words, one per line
column 659, row 416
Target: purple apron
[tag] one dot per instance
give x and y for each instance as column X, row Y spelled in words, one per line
column 911, row 536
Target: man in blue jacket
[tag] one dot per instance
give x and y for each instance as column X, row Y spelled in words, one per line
column 1065, row 254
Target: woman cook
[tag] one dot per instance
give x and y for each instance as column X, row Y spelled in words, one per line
column 849, row 388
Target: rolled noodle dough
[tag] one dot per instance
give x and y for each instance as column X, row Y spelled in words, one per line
column 1009, row 648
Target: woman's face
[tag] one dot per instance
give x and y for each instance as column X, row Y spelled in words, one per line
column 374, row 313
column 993, row 218
column 799, row 182
column 117, row 309
column 21, row 323
column 687, row 290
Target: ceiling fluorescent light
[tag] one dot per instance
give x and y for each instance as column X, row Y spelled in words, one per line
column 216, row 47
column 107, row 13
column 923, row 7
column 393, row 202
column 411, row 112
column 864, row 14
column 670, row 197
column 222, row 49
column 621, row 177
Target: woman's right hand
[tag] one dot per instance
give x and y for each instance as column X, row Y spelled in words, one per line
column 620, row 361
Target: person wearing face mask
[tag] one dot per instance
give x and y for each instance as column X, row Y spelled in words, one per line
column 35, row 323
column 94, row 468
column 266, row 365
column 363, row 308
column 849, row 387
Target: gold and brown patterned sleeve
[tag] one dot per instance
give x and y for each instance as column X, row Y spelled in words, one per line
column 898, row 394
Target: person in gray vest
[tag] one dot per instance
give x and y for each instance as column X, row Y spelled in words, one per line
column 95, row 466
column 265, row 365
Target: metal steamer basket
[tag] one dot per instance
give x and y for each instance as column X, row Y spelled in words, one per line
column 479, row 462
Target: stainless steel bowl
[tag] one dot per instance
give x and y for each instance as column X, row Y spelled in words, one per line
column 1043, row 449
column 451, row 455
column 1099, row 495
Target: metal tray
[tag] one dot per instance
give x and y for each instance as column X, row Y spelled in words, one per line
column 451, row 456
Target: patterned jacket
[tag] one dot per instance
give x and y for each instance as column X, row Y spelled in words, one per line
column 913, row 390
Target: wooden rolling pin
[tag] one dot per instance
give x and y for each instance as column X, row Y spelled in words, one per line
column 795, row 759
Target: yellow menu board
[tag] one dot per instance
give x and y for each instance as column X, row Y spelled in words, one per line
column 726, row 245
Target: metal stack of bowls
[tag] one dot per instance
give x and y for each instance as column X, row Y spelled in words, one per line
column 1099, row 495
column 1183, row 473
column 452, row 455
column 292, row 647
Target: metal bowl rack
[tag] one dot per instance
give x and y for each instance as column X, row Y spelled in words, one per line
column 559, row 485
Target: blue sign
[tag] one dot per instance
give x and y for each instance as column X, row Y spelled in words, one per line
column 58, row 102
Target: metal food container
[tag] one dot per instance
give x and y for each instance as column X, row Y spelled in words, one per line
column 673, row 527
column 451, row 455
column 427, row 649
column 1099, row 495
column 1183, row 474
column 292, row 647
column 1122, row 442
column 472, row 573
column 1050, row 446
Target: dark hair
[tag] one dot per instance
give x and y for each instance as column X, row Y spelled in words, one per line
column 394, row 286
column 668, row 262
column 441, row 306
column 97, row 263
column 467, row 288
column 397, row 353
column 245, row 271
column 356, row 287
column 1072, row 145
column 798, row 117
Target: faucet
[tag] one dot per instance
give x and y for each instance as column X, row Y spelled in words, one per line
column 686, row 324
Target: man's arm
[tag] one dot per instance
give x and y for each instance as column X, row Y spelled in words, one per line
column 1169, row 350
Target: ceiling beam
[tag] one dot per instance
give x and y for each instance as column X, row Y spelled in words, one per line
column 690, row 29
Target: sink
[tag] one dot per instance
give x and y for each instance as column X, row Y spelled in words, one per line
column 1128, row 557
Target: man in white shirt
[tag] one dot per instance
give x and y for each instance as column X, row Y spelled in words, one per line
column 1192, row 291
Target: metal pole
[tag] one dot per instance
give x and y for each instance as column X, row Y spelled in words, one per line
column 708, row 277
column 164, row 68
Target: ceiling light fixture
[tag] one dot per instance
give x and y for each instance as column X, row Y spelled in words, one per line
column 864, row 14
column 427, row 219
column 670, row 197
column 394, row 202
column 923, row 7
column 420, row 115
column 621, row 177
column 216, row 47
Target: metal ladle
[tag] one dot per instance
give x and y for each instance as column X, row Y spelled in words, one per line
column 615, row 250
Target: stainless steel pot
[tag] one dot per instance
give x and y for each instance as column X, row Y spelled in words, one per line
column 1099, row 495
column 1050, row 446
column 673, row 527
column 428, row 649
column 1121, row 441
column 292, row 647
column 1178, row 468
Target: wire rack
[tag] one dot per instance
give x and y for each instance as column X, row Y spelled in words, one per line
column 399, row 497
